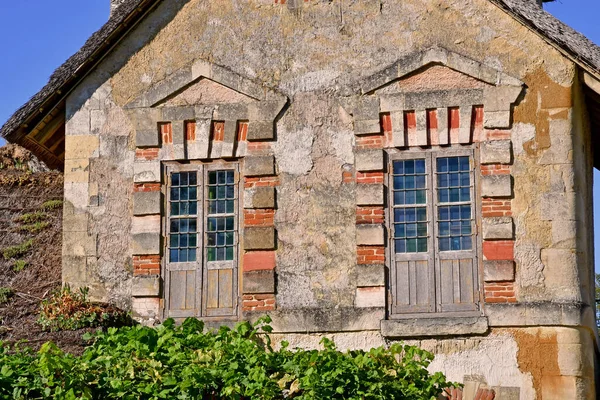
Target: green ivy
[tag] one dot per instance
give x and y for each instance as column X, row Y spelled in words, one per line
column 183, row 362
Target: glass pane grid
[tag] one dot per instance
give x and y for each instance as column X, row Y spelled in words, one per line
column 454, row 220
column 183, row 204
column 410, row 220
column 220, row 236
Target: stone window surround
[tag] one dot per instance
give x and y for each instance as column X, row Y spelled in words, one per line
column 259, row 118
column 367, row 109
column 438, row 152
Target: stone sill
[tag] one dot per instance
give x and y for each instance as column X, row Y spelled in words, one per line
column 434, row 327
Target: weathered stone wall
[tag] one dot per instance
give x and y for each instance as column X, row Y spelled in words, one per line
column 317, row 53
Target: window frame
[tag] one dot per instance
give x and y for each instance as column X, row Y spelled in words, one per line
column 434, row 308
column 201, row 265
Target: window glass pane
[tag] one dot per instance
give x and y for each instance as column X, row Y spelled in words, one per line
column 398, row 182
column 411, row 245
column 229, row 253
column 193, row 208
column 212, row 178
column 183, row 179
column 192, row 255
column 173, row 255
column 410, row 188
column 175, row 179
column 174, row 226
column 193, row 193
column 174, row 240
column 193, row 178
column 398, row 198
column 454, row 221
column 174, row 209
column 222, row 194
column 183, row 193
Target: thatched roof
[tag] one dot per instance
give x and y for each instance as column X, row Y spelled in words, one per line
column 566, row 39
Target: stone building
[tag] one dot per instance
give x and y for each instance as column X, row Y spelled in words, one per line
column 415, row 170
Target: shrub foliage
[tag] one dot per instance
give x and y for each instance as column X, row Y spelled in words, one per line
column 182, row 362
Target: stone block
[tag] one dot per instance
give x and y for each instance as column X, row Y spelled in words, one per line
column 147, row 138
column 81, row 146
column 500, row 98
column 434, row 327
column 367, row 127
column 179, row 113
column 145, row 286
column 178, row 128
column 77, row 170
column 498, row 270
column 80, row 244
column 259, row 238
column 497, row 228
column 74, row 269
column 259, row 197
column 146, row 243
column 75, row 222
column 146, row 224
column 370, row 275
column 557, row 206
column 367, row 297
column 392, row 103
column 370, row 235
column 496, row 186
column 146, row 171
column 259, row 165
column 261, row 130
column 79, row 123
column 496, row 119
column 145, row 203
column 147, row 308
column 496, row 152
column 367, row 108
column 369, row 160
column 262, row 281
column 369, row 194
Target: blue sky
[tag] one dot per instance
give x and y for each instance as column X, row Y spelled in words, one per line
column 37, row 36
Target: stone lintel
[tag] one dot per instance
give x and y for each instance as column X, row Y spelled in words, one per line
column 146, row 243
column 497, row 228
column 496, row 119
column 146, row 203
column 259, row 238
column 496, row 152
column 367, row 108
column 145, row 286
column 369, row 194
column 496, row 186
column 258, row 282
column 498, row 270
column 370, row 235
column 430, row 327
column 259, row 197
column 259, row 166
column 369, row 160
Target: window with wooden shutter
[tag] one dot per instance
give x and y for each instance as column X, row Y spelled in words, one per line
column 201, row 226
column 432, row 233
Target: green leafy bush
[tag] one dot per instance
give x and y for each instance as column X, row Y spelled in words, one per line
column 18, row 250
column 35, row 227
column 70, row 310
column 182, row 362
